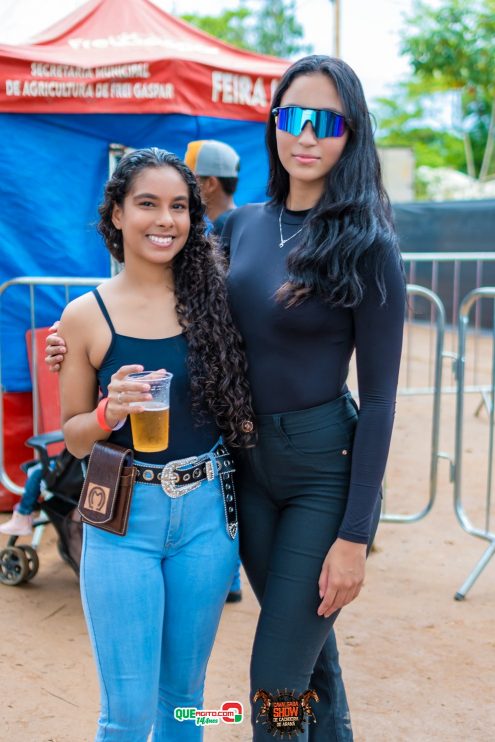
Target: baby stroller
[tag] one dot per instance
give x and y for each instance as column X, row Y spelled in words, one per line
column 62, row 478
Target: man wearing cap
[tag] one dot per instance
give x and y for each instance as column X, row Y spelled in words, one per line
column 216, row 166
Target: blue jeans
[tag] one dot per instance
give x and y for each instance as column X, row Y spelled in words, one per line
column 32, row 490
column 152, row 601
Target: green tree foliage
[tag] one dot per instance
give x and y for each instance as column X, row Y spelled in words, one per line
column 451, row 50
column 229, row 26
column 402, row 122
column 267, row 27
column 277, row 31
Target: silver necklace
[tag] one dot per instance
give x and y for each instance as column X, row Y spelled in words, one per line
column 282, row 241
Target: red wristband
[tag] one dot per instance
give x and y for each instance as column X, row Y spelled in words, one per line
column 100, row 415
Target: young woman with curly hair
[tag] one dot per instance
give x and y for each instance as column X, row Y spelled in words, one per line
column 153, row 598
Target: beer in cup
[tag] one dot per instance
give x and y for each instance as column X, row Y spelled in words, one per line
column 150, row 428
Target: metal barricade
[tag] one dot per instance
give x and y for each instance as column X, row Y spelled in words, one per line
column 436, row 280
column 472, row 300
column 32, row 282
column 434, row 322
column 405, row 388
column 451, row 275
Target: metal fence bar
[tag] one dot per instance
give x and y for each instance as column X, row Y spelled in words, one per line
column 434, row 288
column 491, row 412
column 436, row 304
column 32, row 282
column 477, row 319
column 410, row 317
column 448, row 293
column 483, row 533
column 447, row 257
column 34, row 360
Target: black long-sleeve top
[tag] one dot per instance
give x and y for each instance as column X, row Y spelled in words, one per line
column 299, row 357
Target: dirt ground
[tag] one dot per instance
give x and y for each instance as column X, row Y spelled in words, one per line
column 418, row 666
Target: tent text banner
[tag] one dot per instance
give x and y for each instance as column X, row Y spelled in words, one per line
column 156, row 88
column 132, row 57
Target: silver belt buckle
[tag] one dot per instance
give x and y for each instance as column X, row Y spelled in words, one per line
column 169, row 478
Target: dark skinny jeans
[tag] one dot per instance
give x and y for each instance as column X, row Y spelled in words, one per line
column 292, row 490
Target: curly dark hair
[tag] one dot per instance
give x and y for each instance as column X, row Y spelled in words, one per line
column 216, row 360
column 350, row 230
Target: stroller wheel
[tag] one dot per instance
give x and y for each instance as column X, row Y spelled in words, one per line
column 14, row 566
column 32, row 560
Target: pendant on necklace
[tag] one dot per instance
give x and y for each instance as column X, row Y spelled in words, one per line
column 282, row 241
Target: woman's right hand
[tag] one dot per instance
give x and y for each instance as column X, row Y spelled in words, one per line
column 55, row 349
column 122, row 391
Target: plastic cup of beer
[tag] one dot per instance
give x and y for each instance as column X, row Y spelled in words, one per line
column 150, row 428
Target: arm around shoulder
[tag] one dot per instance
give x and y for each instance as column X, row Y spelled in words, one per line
column 78, row 383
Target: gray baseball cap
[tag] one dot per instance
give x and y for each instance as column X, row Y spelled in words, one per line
column 210, row 157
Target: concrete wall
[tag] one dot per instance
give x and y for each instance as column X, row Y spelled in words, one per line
column 398, row 172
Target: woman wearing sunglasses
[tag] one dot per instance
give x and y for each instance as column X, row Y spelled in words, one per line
column 315, row 274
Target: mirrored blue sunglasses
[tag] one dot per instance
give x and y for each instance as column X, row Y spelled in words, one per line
column 325, row 123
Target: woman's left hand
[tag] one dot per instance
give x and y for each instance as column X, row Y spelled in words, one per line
column 342, row 576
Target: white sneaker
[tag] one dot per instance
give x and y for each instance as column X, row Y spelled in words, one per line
column 18, row 525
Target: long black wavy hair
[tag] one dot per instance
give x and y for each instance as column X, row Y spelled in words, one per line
column 350, row 230
column 216, row 360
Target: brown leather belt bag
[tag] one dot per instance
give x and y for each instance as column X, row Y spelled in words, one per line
column 107, row 490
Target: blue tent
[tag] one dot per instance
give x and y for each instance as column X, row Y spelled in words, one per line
column 54, row 163
column 52, row 172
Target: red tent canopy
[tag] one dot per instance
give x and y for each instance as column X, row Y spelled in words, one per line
column 128, row 56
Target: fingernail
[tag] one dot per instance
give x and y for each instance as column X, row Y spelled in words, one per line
column 321, row 594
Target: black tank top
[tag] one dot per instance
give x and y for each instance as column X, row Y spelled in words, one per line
column 186, row 438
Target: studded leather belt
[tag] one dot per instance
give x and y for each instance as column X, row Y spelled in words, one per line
column 181, row 476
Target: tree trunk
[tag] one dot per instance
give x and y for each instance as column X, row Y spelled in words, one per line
column 487, row 155
column 468, row 149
